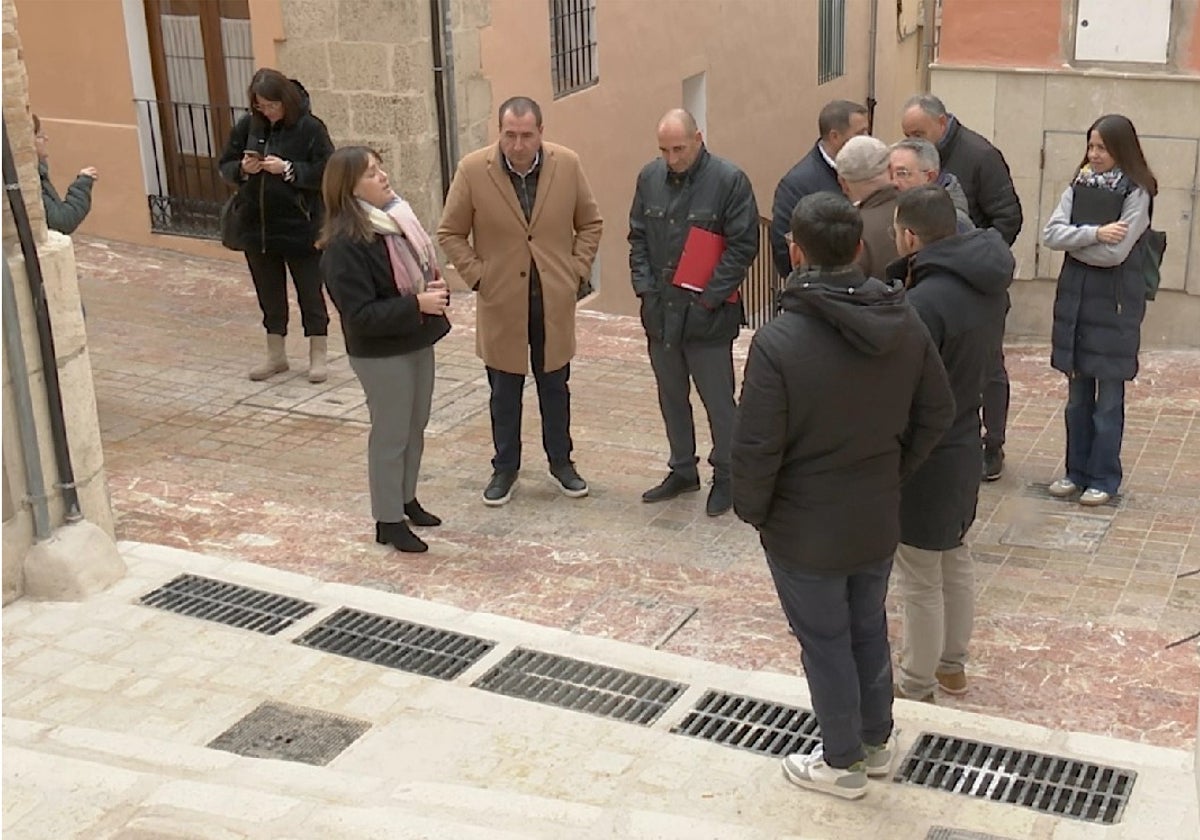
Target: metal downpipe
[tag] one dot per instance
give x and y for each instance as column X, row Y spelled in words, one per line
column 14, row 353
column 37, row 289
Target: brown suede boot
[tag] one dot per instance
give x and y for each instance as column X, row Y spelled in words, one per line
column 276, row 361
column 317, row 347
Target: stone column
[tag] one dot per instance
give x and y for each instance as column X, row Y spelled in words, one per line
column 80, row 558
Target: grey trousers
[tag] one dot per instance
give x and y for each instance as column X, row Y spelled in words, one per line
column 710, row 366
column 399, row 393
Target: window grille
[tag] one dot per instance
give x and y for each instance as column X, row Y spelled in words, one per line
column 831, row 48
column 573, row 59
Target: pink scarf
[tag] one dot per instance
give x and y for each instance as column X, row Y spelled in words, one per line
column 410, row 250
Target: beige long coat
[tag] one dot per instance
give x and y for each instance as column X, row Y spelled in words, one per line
column 484, row 233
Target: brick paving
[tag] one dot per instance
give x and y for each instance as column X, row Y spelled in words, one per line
column 1076, row 607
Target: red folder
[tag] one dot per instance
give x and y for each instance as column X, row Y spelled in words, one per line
column 701, row 253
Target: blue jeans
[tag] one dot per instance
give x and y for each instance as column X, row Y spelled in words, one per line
column 1095, row 417
column 841, row 623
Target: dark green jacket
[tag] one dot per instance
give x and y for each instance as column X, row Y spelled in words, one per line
column 64, row 215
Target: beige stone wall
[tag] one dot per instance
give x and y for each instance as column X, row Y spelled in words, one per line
column 18, row 120
column 57, row 261
column 368, row 65
column 1038, row 119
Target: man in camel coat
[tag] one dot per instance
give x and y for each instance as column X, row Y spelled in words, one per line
column 522, row 228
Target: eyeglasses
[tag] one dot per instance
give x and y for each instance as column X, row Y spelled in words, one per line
column 901, row 172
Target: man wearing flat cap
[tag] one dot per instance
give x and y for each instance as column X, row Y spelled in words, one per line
column 862, row 168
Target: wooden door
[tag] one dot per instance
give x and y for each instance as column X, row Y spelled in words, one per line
column 202, row 63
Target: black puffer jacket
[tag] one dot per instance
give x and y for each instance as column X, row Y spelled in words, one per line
column 844, row 394
column 376, row 319
column 812, row 174
column 1098, row 308
column 983, row 174
column 713, row 195
column 959, row 285
column 278, row 216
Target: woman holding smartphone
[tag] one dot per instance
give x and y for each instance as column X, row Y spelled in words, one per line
column 1100, row 301
column 275, row 156
column 382, row 273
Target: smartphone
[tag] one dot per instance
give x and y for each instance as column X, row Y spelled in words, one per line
column 254, row 153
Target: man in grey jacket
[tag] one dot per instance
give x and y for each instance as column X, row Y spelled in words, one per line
column 915, row 162
column 690, row 333
column 62, row 215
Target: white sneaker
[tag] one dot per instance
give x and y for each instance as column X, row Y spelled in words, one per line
column 810, row 771
column 880, row 759
column 1062, row 488
column 1092, row 497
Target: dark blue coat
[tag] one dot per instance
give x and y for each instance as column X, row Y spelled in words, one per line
column 811, row 175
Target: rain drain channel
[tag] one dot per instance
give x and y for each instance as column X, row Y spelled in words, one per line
column 1051, row 784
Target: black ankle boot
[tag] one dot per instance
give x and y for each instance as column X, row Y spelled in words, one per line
column 399, row 536
column 417, row 515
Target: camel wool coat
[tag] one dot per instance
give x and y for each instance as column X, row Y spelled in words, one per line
column 484, row 233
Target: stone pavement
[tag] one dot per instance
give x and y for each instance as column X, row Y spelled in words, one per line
column 108, row 706
column 1076, row 607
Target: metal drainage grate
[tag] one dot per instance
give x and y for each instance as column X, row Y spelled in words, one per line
column 581, row 686
column 290, row 733
column 939, row 832
column 1048, row 783
column 396, row 644
column 228, row 603
column 750, row 724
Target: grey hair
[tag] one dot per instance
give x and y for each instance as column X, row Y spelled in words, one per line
column 928, row 103
column 926, row 152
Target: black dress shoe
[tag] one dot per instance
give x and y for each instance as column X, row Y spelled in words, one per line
column 720, row 498
column 399, row 536
column 569, row 480
column 417, row 515
column 500, row 489
column 993, row 462
column 671, row 486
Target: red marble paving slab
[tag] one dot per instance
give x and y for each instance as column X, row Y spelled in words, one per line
column 192, row 463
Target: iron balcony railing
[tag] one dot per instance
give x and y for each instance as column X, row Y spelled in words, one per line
column 760, row 291
column 183, row 142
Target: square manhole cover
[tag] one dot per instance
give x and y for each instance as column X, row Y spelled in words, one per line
column 1065, row 531
column 290, row 733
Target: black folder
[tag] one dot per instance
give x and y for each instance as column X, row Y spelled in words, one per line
column 1095, row 205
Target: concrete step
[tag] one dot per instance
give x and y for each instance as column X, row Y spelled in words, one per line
column 114, row 785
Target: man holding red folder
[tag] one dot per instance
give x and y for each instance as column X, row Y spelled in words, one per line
column 693, row 232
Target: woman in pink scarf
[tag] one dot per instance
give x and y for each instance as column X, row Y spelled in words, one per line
column 382, row 275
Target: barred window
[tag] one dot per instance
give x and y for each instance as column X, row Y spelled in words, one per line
column 573, row 64
column 831, row 48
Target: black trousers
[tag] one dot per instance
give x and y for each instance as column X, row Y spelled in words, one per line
column 995, row 403
column 269, row 272
column 554, row 402
column 710, row 366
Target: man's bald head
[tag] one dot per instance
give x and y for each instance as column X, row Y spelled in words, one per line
column 681, row 118
column 679, row 139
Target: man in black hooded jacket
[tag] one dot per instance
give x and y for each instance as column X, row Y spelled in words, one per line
column 843, row 395
column 959, row 285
